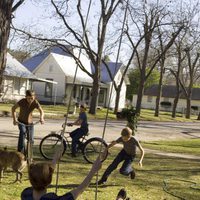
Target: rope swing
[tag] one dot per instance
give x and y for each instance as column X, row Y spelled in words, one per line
column 112, row 85
column 73, row 84
column 71, row 93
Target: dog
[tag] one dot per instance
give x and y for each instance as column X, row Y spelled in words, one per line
column 13, row 159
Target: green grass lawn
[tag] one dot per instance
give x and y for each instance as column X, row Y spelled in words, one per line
column 189, row 146
column 58, row 111
column 180, row 175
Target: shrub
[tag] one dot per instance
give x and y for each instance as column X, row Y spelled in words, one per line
column 166, row 104
column 131, row 116
column 194, row 108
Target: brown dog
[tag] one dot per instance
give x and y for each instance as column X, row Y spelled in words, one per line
column 13, row 159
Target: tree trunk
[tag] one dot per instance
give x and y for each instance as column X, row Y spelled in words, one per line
column 5, row 20
column 176, row 99
column 175, row 106
column 117, row 100
column 95, row 95
column 198, row 116
column 159, row 91
column 188, row 109
column 139, row 97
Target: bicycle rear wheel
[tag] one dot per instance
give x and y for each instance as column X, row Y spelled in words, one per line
column 49, row 144
column 92, row 148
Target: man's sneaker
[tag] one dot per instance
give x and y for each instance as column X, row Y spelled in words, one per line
column 101, row 182
column 132, row 175
column 121, row 194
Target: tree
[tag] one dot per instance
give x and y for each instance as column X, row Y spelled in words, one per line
column 6, row 10
column 150, row 17
column 19, row 55
column 134, row 78
column 79, row 36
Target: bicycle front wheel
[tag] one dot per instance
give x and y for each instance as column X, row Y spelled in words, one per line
column 49, row 144
column 92, row 149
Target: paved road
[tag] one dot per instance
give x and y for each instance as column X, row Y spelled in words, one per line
column 147, row 131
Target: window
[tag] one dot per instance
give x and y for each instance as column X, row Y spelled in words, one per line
column 48, row 88
column 149, row 99
column 50, row 68
column 74, row 91
column 101, row 96
column 166, row 104
column 16, row 85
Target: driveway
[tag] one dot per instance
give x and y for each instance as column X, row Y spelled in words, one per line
column 147, row 131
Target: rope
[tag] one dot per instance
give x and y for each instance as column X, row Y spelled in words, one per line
column 71, row 93
column 112, row 85
column 192, row 186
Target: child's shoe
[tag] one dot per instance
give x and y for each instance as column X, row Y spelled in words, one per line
column 101, row 182
column 132, row 175
column 121, row 194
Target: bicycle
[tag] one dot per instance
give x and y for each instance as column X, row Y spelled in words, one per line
column 90, row 148
column 28, row 147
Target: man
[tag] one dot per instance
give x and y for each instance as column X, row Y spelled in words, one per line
column 26, row 106
column 79, row 132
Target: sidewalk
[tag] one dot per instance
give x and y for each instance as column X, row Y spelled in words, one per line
column 178, row 155
column 147, row 131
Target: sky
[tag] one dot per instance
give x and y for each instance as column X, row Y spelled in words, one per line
column 32, row 14
column 36, row 17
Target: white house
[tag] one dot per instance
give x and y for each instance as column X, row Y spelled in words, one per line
column 16, row 80
column 167, row 99
column 55, row 65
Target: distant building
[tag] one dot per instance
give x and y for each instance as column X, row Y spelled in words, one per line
column 16, row 80
column 167, row 99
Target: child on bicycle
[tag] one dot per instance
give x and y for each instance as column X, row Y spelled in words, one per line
column 40, row 176
column 79, row 132
column 127, row 155
column 26, row 106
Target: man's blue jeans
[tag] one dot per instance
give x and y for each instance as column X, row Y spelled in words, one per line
column 22, row 135
column 126, row 167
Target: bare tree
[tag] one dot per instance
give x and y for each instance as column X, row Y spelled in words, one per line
column 80, row 36
column 7, row 7
column 161, row 65
column 153, row 16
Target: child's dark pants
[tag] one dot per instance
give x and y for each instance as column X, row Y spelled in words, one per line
column 126, row 168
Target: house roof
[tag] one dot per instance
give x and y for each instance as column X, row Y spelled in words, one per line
column 34, row 61
column 113, row 67
column 62, row 58
column 169, row 91
column 70, row 68
column 16, row 69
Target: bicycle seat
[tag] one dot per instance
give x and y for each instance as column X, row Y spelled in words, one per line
column 87, row 134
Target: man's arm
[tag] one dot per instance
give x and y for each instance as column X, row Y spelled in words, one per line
column 142, row 154
column 77, row 122
column 111, row 144
column 14, row 114
column 41, row 115
column 56, row 157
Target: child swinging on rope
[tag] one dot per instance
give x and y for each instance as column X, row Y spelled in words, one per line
column 40, row 176
column 127, row 154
